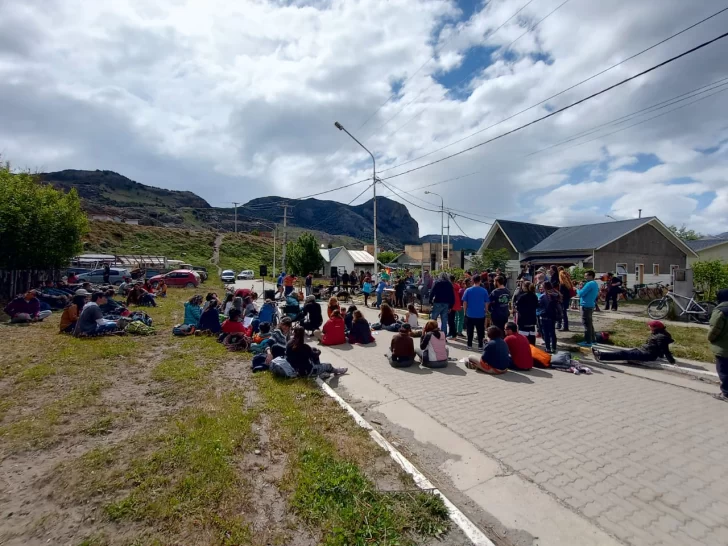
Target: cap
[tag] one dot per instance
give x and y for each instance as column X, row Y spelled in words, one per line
column 722, row 295
column 656, row 324
column 82, row 292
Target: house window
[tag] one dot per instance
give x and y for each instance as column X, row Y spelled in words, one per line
column 655, row 269
column 621, row 269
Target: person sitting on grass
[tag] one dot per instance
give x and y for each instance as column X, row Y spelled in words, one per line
column 210, row 318
column 334, row 331
column 657, row 346
column 228, row 304
column 91, row 321
column 263, row 333
column 112, row 307
column 73, row 311
column 333, row 305
column 495, row 358
column 401, row 352
column 249, row 308
column 433, row 346
column 280, row 335
column 360, row 331
column 519, row 348
column 305, row 360
column 26, row 308
column 310, row 317
column 193, row 311
column 161, row 289
column 237, row 336
column 349, row 318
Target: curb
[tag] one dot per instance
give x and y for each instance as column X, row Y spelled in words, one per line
column 475, row 535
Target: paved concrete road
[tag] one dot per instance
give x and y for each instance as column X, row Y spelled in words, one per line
column 550, row 458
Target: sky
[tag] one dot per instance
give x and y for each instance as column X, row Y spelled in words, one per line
column 237, row 100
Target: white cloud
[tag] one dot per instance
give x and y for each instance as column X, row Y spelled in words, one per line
column 235, row 100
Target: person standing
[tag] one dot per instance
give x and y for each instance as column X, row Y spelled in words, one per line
column 525, row 306
column 475, row 299
column 443, row 298
column 614, row 289
column 588, row 293
column 381, row 285
column 107, row 273
column 549, row 308
column 454, row 319
column 718, row 337
column 279, row 285
column 309, row 284
column 426, row 286
column 500, row 297
column 345, row 280
column 566, row 288
column 288, row 283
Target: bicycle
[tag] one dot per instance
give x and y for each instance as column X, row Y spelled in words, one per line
column 699, row 311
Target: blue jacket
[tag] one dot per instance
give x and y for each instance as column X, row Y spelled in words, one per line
column 588, row 294
column 192, row 314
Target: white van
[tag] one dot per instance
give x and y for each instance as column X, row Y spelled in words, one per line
column 245, row 275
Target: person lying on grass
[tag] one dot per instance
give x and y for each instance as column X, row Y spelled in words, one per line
column 656, row 346
column 305, row 360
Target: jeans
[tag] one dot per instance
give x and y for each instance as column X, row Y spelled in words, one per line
column 399, row 362
column 565, row 318
column 499, row 321
column 721, row 366
column 309, row 290
column 587, row 320
column 429, row 363
column 379, row 299
column 479, row 325
column 548, row 331
column 366, row 299
column 612, row 296
column 106, row 327
column 626, row 354
column 440, row 310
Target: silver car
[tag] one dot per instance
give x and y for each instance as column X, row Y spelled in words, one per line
column 227, row 276
column 246, row 274
column 116, row 276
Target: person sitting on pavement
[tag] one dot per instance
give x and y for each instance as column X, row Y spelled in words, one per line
column 718, row 338
column 332, row 306
column 656, row 346
column 413, row 318
column 210, row 318
column 401, row 352
column 73, row 311
column 334, row 331
column 433, row 351
column 311, row 317
column 495, row 359
column 193, row 311
column 26, row 308
column 519, row 348
column 360, row 331
column 349, row 318
column 305, row 360
column 91, row 321
column 388, row 319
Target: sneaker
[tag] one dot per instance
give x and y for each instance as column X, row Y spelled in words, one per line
column 720, row 396
column 340, row 371
column 323, row 376
column 480, row 347
column 584, row 344
column 470, row 346
column 595, row 352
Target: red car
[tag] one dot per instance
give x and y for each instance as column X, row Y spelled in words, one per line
column 179, row 277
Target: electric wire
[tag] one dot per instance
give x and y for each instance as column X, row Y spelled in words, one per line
column 567, row 107
column 552, row 96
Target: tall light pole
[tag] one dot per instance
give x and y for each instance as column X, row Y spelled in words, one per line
column 442, row 228
column 236, row 216
column 340, row 127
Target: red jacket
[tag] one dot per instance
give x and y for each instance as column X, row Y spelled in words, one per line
column 334, row 332
column 458, row 302
column 520, row 350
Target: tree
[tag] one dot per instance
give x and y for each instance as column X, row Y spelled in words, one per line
column 684, row 233
column 387, row 256
column 710, row 276
column 303, row 255
column 40, row 227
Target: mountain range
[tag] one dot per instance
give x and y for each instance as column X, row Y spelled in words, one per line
column 458, row 242
column 109, row 193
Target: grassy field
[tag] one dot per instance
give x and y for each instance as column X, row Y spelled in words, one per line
column 689, row 343
column 166, row 440
column 243, row 251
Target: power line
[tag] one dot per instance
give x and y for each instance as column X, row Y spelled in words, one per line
column 337, row 212
column 567, row 107
column 555, row 95
column 504, row 23
column 458, row 225
column 534, row 26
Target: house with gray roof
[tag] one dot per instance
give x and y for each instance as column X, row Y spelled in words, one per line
column 643, row 250
column 709, row 248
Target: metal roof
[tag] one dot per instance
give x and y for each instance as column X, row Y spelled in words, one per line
column 588, row 237
column 361, row 257
column 702, row 244
column 524, row 236
column 551, row 259
column 405, row 259
column 330, row 253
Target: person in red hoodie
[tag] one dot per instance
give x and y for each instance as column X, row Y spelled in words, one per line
column 519, row 347
column 334, row 331
column 455, row 316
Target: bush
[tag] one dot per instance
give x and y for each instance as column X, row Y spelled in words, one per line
column 710, row 276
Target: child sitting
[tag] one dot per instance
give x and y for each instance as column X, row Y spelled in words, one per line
column 235, row 336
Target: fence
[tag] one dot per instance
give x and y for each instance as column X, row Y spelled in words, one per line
column 14, row 282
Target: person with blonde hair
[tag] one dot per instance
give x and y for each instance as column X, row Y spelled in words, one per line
column 567, row 290
column 333, row 305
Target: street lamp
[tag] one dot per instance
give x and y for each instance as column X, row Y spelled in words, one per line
column 340, row 127
column 442, row 228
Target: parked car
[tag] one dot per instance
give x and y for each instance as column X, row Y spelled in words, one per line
column 116, row 276
column 227, row 276
column 78, row 270
column 178, row 277
column 202, row 271
column 246, row 274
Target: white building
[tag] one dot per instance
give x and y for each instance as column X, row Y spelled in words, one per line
column 346, row 260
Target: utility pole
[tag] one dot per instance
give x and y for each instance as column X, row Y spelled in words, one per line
column 442, row 228
column 236, row 216
column 448, row 240
column 285, row 236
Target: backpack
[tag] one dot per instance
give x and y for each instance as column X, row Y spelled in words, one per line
column 602, row 337
column 183, row 330
column 142, row 317
column 541, row 359
column 281, row 368
column 258, row 364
